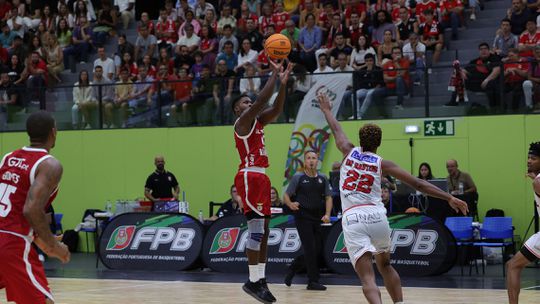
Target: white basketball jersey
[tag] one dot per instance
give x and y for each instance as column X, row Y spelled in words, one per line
column 360, row 179
column 537, row 198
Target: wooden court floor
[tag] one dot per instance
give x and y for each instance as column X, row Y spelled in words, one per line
column 89, row 291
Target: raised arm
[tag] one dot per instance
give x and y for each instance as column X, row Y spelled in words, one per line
column 342, row 142
column 423, row 186
column 246, row 119
column 272, row 113
column 48, row 175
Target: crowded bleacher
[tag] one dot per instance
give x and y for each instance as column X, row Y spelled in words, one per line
column 106, row 64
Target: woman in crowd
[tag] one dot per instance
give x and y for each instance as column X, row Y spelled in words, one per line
column 208, row 45
column 55, row 59
column 36, row 46
column 165, row 59
column 385, row 49
column 83, row 100
column 247, row 55
column 424, row 172
column 63, row 13
column 361, row 48
column 63, row 34
column 129, row 64
column 47, row 17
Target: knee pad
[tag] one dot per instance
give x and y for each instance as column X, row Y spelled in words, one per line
column 256, row 233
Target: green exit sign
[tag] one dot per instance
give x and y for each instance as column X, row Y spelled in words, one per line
column 439, row 127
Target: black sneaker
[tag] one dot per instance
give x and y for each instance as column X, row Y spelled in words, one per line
column 265, row 286
column 315, row 286
column 257, row 291
column 289, row 277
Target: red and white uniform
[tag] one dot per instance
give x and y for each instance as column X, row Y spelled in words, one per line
column 533, row 243
column 529, row 39
column 168, row 26
column 251, row 181
column 449, row 5
column 279, row 20
column 21, row 272
column 422, row 6
column 364, row 222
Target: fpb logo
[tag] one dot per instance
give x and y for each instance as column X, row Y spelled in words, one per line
column 121, row 238
column 340, row 247
column 225, row 240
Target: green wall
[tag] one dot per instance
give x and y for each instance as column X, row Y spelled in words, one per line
column 114, row 164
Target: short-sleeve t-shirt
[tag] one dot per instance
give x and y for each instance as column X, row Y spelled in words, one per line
column 161, row 184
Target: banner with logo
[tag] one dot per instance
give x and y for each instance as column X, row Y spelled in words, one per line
column 225, row 244
column 311, row 132
column 421, row 246
column 150, row 241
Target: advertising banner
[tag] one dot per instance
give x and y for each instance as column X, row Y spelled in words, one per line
column 421, row 246
column 311, row 132
column 150, row 241
column 225, row 244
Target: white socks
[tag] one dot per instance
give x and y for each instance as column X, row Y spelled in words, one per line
column 262, row 270
column 399, row 303
column 253, row 273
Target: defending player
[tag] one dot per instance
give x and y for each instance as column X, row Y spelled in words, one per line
column 29, row 180
column 530, row 251
column 251, row 182
column 365, row 226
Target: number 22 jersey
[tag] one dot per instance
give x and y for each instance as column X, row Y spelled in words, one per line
column 360, row 180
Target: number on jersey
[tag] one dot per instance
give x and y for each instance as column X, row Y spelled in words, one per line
column 5, row 203
column 358, row 182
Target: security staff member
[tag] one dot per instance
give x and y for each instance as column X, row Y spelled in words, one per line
column 161, row 184
column 310, row 198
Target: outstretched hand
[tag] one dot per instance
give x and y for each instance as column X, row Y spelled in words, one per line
column 277, row 68
column 324, row 102
column 458, row 205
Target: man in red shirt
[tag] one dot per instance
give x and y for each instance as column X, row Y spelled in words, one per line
column 451, row 11
column 432, row 35
column 396, row 76
column 166, row 30
column 515, row 73
column 351, row 7
column 529, row 39
column 37, row 79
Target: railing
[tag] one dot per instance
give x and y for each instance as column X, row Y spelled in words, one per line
column 428, row 95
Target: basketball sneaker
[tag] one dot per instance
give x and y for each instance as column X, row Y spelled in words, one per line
column 256, row 290
column 265, row 286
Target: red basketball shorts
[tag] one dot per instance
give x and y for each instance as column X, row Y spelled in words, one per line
column 21, row 272
column 254, row 189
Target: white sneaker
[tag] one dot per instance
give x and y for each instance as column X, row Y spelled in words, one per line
column 473, row 16
column 88, row 126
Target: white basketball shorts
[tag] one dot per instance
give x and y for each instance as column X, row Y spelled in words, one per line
column 365, row 228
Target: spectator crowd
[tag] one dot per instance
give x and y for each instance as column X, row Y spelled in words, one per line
column 195, row 55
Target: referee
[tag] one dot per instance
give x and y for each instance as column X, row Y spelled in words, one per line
column 310, row 198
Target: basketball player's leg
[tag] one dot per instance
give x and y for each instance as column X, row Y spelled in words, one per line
column 24, row 276
column 364, row 270
column 392, row 282
column 530, row 252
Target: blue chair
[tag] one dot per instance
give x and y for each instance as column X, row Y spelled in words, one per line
column 462, row 230
column 58, row 220
column 496, row 232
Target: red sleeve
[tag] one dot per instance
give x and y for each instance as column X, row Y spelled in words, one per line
column 522, row 38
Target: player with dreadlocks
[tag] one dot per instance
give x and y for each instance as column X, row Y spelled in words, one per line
column 530, row 251
column 365, row 226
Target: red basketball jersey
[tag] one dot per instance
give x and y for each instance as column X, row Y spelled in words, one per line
column 251, row 147
column 17, row 173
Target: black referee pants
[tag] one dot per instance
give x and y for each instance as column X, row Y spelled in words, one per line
column 310, row 235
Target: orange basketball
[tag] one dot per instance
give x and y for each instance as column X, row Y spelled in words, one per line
column 277, row 46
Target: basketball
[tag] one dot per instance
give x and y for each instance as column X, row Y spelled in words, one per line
column 277, row 46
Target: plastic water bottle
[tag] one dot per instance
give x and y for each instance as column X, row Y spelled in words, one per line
column 220, row 214
column 339, row 215
column 201, row 216
column 460, row 188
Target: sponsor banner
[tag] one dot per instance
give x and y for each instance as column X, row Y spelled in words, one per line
column 311, row 132
column 421, row 246
column 151, row 241
column 225, row 244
